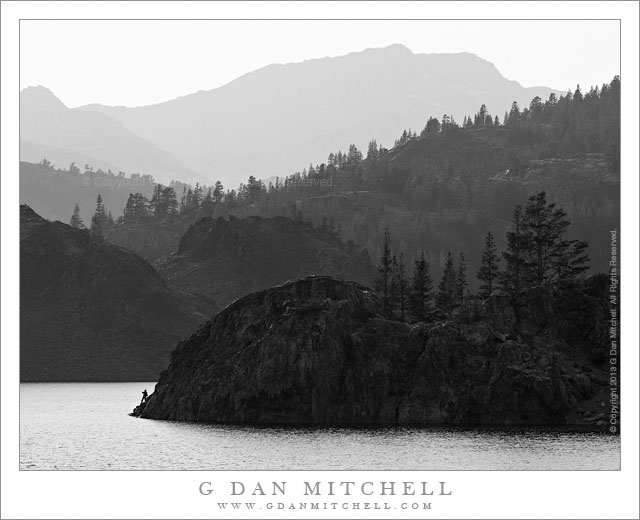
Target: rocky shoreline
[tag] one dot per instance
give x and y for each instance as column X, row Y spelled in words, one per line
column 317, row 351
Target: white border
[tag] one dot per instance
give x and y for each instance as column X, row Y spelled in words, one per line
column 175, row 494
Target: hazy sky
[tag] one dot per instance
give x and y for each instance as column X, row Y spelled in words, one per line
column 136, row 63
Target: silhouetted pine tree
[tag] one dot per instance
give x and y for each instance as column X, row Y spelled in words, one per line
column 461, row 280
column 393, row 286
column 99, row 219
column 488, row 271
column 137, row 208
column 372, row 150
column 207, row 205
column 170, row 201
column 385, row 272
column 196, row 198
column 549, row 257
column 421, row 294
column 432, row 127
column 402, row 285
column 155, row 204
column 512, row 279
column 109, row 223
column 447, row 290
column 183, row 199
column 76, row 220
column 218, row 192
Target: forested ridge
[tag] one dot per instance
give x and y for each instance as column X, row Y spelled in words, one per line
column 437, row 190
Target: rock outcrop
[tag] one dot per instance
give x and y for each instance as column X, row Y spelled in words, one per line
column 225, row 259
column 92, row 311
column 317, row 351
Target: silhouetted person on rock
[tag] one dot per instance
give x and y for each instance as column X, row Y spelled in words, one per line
column 144, row 396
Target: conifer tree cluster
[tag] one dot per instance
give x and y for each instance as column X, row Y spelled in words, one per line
column 163, row 204
column 537, row 253
column 404, row 295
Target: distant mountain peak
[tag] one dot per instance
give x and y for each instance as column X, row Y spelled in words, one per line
column 291, row 114
column 396, row 48
column 40, row 97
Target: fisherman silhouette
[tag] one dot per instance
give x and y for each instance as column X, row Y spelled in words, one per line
column 144, row 396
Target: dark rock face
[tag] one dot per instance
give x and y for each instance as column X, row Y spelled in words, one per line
column 226, row 259
column 576, row 314
column 91, row 311
column 149, row 238
column 316, row 351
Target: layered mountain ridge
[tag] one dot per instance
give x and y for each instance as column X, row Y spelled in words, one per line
column 279, row 118
column 48, row 129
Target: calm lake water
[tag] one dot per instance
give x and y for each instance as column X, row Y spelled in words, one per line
column 85, row 426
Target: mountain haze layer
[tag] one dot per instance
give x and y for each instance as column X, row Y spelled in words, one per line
column 49, row 129
column 281, row 117
column 55, row 191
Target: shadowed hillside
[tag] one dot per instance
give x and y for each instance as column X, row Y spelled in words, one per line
column 227, row 259
column 91, row 311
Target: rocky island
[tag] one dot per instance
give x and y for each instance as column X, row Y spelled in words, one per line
column 317, row 351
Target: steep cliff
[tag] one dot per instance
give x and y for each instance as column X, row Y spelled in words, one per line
column 316, row 351
column 91, row 311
